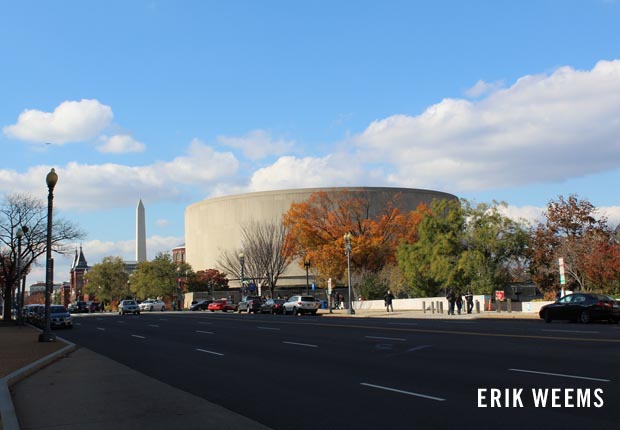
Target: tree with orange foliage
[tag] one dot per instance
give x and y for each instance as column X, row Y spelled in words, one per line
column 317, row 227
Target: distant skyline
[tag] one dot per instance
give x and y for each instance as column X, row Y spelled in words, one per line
column 174, row 102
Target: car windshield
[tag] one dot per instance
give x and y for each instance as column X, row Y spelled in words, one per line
column 129, row 302
column 307, row 299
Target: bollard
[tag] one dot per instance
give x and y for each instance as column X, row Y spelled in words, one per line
column 440, row 306
column 432, row 307
column 499, row 306
column 477, row 306
column 509, row 305
column 424, row 306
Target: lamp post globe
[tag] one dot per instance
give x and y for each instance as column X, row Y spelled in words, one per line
column 46, row 336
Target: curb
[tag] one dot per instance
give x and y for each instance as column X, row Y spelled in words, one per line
column 8, row 418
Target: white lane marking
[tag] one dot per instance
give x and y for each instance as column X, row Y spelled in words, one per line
column 267, row 328
column 100, row 328
column 573, row 331
column 153, row 325
column 139, row 337
column 206, row 332
column 301, row 344
column 209, row 352
column 385, row 338
column 417, row 348
column 409, row 393
column 560, row 374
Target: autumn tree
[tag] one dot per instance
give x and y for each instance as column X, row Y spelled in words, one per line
column 569, row 230
column 107, row 280
column 208, row 280
column 18, row 211
column 317, row 227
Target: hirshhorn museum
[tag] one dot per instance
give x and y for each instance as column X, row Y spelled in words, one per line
column 214, row 225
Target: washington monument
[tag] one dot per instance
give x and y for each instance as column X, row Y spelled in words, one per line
column 140, row 234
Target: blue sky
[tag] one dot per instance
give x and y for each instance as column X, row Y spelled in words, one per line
column 172, row 102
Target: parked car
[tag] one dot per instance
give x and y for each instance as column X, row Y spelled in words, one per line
column 31, row 313
column 128, row 307
column 250, row 304
column 201, row 305
column 222, row 305
column 301, row 305
column 78, row 307
column 272, row 306
column 582, row 307
column 152, row 305
column 60, row 317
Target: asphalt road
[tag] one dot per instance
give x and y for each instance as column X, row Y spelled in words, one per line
column 310, row 372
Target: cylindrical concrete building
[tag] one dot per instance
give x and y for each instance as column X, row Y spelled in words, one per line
column 214, row 225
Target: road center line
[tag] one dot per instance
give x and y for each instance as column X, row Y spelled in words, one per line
column 385, row 338
column 573, row 331
column 206, row 332
column 301, row 344
column 267, row 328
column 100, row 328
column 139, row 337
column 209, row 352
column 153, row 325
column 417, row 348
column 409, row 393
column 560, row 374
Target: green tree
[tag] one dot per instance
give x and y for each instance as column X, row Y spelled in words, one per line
column 159, row 277
column 107, row 281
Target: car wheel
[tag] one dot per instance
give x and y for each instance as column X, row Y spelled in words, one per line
column 295, row 311
column 547, row 317
column 273, row 312
column 151, row 310
column 585, row 317
column 163, row 308
column 314, row 312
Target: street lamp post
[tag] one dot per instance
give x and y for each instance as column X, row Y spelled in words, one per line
column 46, row 335
column 347, row 244
column 20, row 298
column 307, row 266
column 242, row 262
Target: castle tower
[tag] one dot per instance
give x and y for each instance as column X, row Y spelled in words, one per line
column 140, row 233
column 78, row 270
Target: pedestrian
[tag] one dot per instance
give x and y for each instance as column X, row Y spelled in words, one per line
column 450, row 297
column 469, row 299
column 388, row 301
column 459, row 300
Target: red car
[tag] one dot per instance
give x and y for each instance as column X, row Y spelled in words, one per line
column 221, row 305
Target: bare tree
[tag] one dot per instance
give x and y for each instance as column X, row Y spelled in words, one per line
column 18, row 211
column 263, row 246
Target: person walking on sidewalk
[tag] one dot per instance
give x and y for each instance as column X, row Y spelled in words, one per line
column 388, row 300
column 450, row 297
column 459, row 301
column 469, row 299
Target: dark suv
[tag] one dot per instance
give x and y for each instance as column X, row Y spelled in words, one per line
column 250, row 304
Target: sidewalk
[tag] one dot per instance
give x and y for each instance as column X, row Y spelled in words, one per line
column 58, row 386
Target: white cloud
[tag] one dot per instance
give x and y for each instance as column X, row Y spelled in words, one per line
column 482, row 88
column 257, row 144
column 544, row 128
column 162, row 222
column 71, row 121
column 119, row 144
column 89, row 186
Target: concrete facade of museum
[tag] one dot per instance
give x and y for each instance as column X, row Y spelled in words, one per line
column 214, row 225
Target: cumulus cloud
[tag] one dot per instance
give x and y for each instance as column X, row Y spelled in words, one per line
column 257, row 144
column 308, row 172
column 89, row 186
column 119, row 144
column 544, row 128
column 482, row 88
column 71, row 121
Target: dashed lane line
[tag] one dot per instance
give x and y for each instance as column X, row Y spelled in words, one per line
column 205, row 332
column 409, row 393
column 138, row 336
column 209, row 352
column 386, row 338
column 300, row 344
column 536, row 372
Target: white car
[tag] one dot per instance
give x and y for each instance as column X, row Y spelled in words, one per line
column 152, row 305
column 301, row 305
